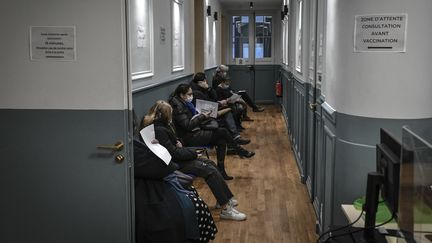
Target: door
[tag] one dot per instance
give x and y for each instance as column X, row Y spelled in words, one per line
column 251, row 43
column 65, row 170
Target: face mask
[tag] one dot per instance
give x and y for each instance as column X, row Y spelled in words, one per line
column 189, row 99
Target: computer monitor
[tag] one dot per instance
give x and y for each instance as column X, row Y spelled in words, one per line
column 388, row 158
column 384, row 181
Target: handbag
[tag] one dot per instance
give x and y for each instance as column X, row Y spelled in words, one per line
column 209, row 124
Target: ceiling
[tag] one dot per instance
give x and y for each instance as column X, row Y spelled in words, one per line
column 244, row 4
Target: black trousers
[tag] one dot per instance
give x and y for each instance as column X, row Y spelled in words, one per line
column 219, row 137
column 247, row 99
column 207, row 169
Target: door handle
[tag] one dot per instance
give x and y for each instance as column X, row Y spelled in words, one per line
column 116, row 147
column 312, row 106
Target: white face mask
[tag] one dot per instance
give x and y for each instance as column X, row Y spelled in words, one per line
column 189, row 98
column 224, row 86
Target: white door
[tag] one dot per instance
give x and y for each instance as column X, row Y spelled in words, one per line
column 64, row 92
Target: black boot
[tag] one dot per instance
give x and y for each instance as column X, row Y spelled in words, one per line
column 244, row 153
column 224, row 174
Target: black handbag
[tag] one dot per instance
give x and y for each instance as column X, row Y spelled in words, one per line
column 209, row 124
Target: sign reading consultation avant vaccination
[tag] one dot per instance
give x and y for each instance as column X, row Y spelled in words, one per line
column 383, row 32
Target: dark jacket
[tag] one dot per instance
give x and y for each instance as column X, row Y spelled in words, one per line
column 165, row 134
column 187, row 128
column 223, row 94
column 158, row 214
column 203, row 94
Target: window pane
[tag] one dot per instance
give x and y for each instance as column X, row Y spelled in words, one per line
column 263, row 36
column 240, row 37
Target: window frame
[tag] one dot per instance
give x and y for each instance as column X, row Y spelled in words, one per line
column 252, row 42
column 264, row 59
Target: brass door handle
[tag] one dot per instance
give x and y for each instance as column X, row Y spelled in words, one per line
column 312, row 106
column 116, row 147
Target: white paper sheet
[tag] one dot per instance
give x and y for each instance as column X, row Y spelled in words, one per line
column 203, row 106
column 234, row 98
column 148, row 135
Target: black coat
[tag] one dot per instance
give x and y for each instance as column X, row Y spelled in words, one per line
column 203, row 94
column 187, row 128
column 165, row 134
column 158, row 214
column 223, row 94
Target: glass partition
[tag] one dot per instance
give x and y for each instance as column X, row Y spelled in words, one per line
column 415, row 201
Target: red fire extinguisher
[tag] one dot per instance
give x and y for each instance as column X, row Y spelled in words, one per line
column 278, row 88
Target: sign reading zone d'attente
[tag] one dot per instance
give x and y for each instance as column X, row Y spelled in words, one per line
column 383, row 32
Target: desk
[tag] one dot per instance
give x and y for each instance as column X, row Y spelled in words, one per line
column 352, row 214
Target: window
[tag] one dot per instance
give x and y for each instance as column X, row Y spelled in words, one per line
column 177, row 35
column 141, row 39
column 298, row 60
column 263, row 37
column 240, row 37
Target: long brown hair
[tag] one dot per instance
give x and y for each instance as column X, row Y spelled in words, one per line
column 160, row 110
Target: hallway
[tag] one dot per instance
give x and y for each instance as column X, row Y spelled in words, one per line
column 267, row 187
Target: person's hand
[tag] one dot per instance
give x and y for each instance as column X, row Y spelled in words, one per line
column 223, row 102
column 154, row 141
column 179, row 144
column 206, row 113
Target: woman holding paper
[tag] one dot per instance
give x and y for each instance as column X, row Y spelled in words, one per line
column 160, row 115
column 187, row 122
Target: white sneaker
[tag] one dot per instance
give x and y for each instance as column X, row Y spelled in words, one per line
column 232, row 202
column 232, row 213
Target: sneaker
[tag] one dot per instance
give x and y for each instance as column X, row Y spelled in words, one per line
column 232, row 203
column 232, row 214
column 258, row 109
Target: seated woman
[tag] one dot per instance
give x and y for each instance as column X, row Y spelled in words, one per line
column 187, row 123
column 160, row 115
column 231, row 118
column 235, row 101
column 221, row 74
column 164, row 210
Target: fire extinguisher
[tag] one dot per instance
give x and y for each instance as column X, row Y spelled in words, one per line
column 278, row 88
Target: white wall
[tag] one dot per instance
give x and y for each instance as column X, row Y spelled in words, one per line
column 98, row 77
column 376, row 84
column 162, row 52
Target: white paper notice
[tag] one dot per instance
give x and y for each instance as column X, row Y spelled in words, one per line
column 383, row 32
column 204, row 106
column 148, row 135
column 55, row 43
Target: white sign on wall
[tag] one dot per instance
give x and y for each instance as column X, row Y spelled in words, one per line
column 383, row 32
column 52, row 43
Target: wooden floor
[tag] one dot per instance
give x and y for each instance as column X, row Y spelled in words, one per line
column 267, row 187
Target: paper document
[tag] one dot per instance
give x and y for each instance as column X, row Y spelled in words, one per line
column 233, row 98
column 204, row 106
column 148, row 135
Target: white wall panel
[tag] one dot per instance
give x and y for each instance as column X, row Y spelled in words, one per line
column 97, row 74
column 378, row 84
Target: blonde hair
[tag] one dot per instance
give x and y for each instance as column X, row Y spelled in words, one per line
column 160, row 110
